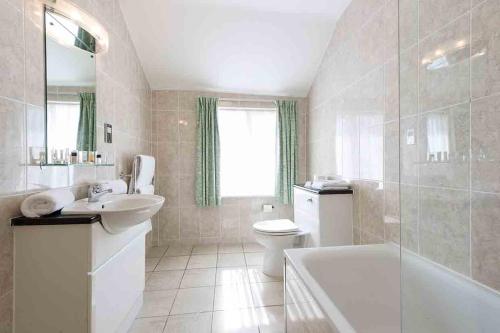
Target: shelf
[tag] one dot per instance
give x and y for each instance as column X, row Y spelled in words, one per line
column 76, row 165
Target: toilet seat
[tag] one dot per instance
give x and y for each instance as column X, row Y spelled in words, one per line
column 280, row 227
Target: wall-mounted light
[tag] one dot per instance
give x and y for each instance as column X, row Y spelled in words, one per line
column 83, row 19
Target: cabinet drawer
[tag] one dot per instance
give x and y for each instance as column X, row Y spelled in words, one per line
column 307, row 202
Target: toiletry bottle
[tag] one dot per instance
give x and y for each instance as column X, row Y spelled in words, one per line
column 98, row 158
column 74, row 157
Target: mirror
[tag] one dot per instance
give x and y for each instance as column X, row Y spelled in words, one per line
column 70, row 92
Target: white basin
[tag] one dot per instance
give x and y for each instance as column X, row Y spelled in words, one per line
column 120, row 211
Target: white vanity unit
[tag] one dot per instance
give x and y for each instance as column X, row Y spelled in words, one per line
column 73, row 276
column 324, row 216
column 83, row 271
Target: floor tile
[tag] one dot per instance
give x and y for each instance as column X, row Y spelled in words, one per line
column 232, row 275
column 233, row 296
column 202, row 277
column 148, row 325
column 157, row 303
column 254, row 259
column 252, row 247
column 271, row 319
column 231, row 260
column 256, row 276
column 205, row 249
column 189, row 323
column 235, row 321
column 151, row 264
column 230, row 248
column 193, row 300
column 267, row 294
column 172, row 263
column 202, row 261
column 156, row 251
column 179, row 250
column 164, row 280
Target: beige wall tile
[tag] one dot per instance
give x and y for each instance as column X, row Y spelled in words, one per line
column 485, row 49
column 485, row 162
column 485, row 234
column 446, row 130
column 408, row 150
column 11, row 52
column 445, row 66
column 408, row 23
column 408, row 76
column 371, row 201
column 434, row 14
column 444, row 227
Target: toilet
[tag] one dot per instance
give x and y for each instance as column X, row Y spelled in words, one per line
column 321, row 218
column 275, row 236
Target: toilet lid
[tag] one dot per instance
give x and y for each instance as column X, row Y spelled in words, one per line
column 276, row 226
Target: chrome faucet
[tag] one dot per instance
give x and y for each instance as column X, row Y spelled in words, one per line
column 97, row 191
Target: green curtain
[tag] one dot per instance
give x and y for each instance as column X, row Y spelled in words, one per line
column 85, row 41
column 208, row 153
column 286, row 175
column 86, row 139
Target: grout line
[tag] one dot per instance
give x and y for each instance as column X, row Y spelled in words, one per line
column 470, row 139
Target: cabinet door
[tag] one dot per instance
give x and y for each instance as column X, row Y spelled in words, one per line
column 116, row 287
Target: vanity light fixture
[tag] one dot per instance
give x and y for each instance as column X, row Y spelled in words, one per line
column 83, row 19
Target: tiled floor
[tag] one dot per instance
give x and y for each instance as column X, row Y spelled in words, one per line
column 209, row 288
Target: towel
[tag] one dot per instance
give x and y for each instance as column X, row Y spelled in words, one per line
column 146, row 189
column 143, row 171
column 330, row 184
column 47, row 202
column 117, row 186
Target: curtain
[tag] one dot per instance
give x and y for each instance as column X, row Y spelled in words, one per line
column 287, row 151
column 208, row 153
column 85, row 41
column 86, row 140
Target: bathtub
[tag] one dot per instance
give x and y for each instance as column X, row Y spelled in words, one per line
column 357, row 289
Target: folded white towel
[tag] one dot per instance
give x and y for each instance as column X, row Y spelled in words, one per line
column 330, row 183
column 117, row 186
column 47, row 202
column 146, row 189
column 143, row 171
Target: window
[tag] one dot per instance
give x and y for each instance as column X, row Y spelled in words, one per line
column 62, row 137
column 248, row 151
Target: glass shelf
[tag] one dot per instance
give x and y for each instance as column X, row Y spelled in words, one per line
column 77, row 165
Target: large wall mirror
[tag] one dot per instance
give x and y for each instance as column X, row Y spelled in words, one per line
column 70, row 91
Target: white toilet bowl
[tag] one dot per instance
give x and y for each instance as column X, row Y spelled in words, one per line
column 275, row 236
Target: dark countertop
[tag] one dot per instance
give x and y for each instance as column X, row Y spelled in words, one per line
column 54, row 220
column 335, row 191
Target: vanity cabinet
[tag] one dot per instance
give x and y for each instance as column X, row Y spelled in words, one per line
column 74, row 277
column 325, row 216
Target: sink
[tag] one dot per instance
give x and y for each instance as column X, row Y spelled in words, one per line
column 119, row 211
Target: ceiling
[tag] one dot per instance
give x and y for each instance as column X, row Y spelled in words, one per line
column 271, row 47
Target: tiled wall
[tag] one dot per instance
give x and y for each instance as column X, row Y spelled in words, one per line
column 123, row 99
column 353, row 115
column 174, row 133
column 450, row 86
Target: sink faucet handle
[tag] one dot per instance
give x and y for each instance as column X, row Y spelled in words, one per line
column 98, row 190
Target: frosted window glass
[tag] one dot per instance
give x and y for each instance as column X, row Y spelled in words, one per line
column 62, row 136
column 248, row 151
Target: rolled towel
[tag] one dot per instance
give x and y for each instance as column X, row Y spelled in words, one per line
column 146, row 189
column 45, row 203
column 117, row 186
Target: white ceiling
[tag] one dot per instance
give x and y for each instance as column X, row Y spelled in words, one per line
column 269, row 47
